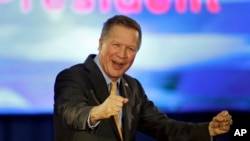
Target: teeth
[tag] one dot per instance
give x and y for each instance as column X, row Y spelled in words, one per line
column 118, row 63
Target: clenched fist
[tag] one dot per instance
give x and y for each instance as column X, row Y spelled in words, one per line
column 220, row 124
column 111, row 106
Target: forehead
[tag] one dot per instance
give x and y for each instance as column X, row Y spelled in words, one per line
column 122, row 33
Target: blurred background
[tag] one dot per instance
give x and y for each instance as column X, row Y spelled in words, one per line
column 194, row 60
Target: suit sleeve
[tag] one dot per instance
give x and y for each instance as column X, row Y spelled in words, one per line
column 155, row 123
column 71, row 107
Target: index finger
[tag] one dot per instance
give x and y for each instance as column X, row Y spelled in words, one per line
column 119, row 98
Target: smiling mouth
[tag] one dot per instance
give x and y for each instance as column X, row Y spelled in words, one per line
column 117, row 65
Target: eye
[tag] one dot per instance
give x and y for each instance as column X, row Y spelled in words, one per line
column 116, row 44
column 132, row 49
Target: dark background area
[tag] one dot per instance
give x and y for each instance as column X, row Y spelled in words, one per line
column 40, row 127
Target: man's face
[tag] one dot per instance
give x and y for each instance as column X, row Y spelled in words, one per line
column 117, row 50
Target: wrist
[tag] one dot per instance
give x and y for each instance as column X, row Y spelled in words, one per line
column 94, row 115
column 211, row 130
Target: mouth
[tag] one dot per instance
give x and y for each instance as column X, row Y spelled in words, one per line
column 117, row 65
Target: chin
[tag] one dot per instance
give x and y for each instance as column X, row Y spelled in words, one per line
column 117, row 75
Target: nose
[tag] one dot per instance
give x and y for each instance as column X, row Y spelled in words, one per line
column 122, row 53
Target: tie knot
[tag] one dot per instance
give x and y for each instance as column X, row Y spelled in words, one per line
column 113, row 83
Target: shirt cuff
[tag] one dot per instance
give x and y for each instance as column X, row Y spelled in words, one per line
column 92, row 126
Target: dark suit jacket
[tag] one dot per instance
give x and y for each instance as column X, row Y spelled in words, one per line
column 79, row 88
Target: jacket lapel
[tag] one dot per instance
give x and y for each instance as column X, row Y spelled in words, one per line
column 97, row 79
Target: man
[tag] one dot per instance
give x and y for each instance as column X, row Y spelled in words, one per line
column 84, row 109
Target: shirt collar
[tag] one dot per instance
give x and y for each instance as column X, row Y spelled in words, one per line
column 107, row 79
